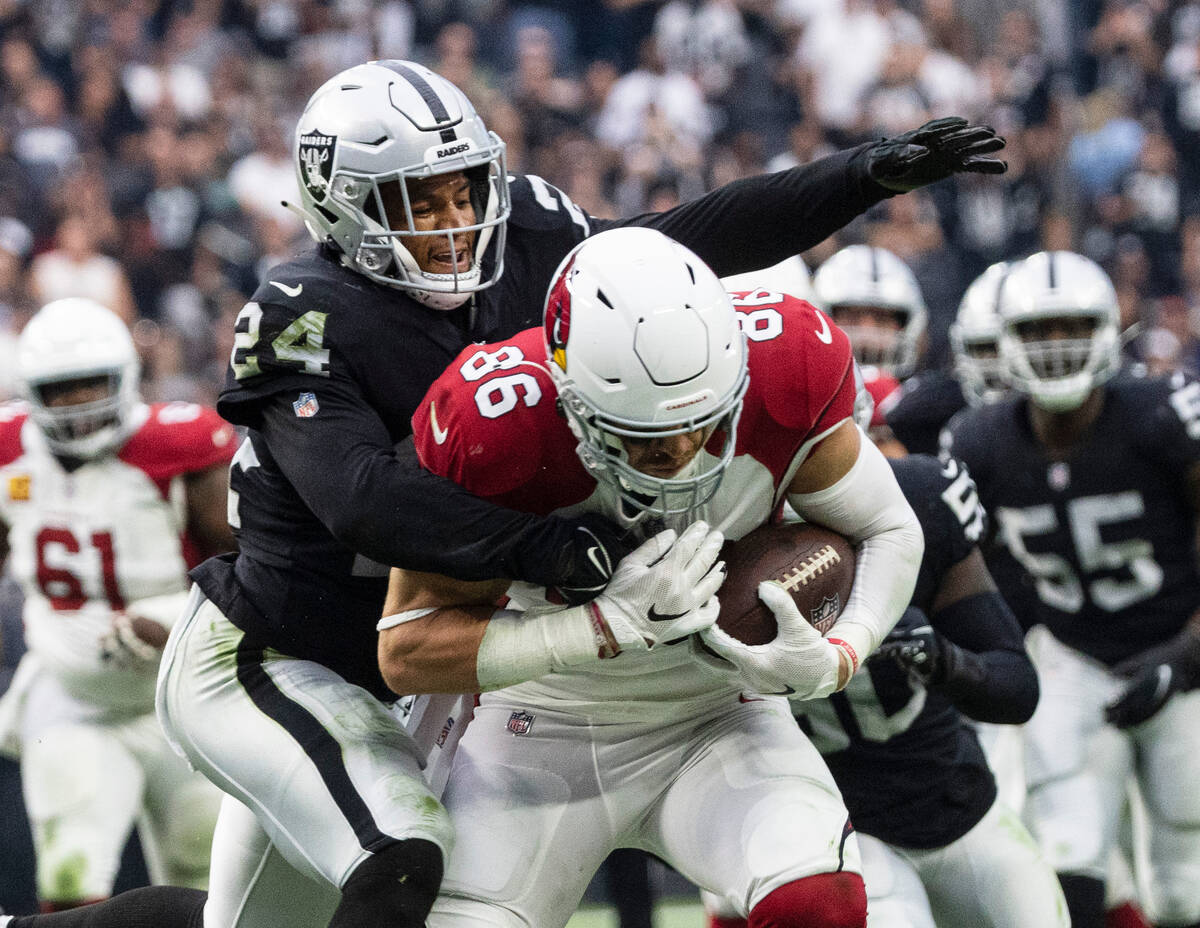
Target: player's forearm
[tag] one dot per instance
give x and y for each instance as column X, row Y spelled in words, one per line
column 867, row 506
column 432, row 650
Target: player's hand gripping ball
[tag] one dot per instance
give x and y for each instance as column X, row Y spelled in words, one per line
column 812, row 563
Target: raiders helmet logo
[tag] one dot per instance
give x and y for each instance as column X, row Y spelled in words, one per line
column 316, row 162
column 558, row 316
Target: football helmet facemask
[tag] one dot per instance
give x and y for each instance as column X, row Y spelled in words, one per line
column 643, row 343
column 363, row 136
column 78, row 342
column 1068, row 292
column 860, row 276
column 975, row 338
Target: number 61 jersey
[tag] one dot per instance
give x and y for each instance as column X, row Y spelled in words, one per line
column 1098, row 546
column 89, row 541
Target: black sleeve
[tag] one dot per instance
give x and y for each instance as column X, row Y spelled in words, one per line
column 758, row 221
column 990, row 677
column 379, row 502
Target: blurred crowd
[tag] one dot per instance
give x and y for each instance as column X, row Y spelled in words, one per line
column 145, row 150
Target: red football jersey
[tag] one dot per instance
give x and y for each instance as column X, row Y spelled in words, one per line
column 491, row 421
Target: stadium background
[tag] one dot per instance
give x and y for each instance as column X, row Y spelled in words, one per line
column 145, row 149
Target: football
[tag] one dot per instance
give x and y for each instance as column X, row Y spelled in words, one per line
column 812, row 563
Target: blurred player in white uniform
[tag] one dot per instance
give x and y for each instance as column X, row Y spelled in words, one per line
column 106, row 501
column 630, row 731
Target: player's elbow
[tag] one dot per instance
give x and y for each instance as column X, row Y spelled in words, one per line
column 397, row 662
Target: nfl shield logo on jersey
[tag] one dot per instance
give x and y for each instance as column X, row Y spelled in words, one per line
column 520, row 722
column 306, row 406
column 1058, row 476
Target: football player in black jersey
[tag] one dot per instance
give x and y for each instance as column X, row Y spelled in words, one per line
column 424, row 244
column 1093, row 478
column 928, row 400
column 937, row 845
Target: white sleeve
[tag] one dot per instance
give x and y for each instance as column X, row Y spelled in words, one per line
column 867, row 506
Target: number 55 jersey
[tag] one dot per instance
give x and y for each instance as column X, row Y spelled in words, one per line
column 1097, row 545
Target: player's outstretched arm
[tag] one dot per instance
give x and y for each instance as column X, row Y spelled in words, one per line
column 971, row 649
column 440, row 635
column 846, row 485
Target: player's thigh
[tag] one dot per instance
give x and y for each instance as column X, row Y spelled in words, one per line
column 532, row 821
column 895, row 896
column 327, row 769
column 83, row 791
column 1076, row 765
column 994, row 876
column 754, row 807
column 253, row 886
column 1169, row 769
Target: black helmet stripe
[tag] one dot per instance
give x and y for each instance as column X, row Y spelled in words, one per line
column 1053, row 282
column 437, row 109
column 874, row 253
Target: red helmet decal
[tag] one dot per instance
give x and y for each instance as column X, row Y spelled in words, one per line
column 557, row 322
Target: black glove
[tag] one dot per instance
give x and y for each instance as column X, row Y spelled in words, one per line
column 597, row 544
column 921, row 652
column 933, row 152
column 1155, row 676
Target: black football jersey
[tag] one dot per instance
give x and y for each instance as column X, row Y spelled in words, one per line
column 910, row 768
column 1100, row 546
column 924, row 404
column 328, row 368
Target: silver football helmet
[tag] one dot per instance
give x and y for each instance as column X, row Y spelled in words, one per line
column 1068, row 292
column 874, row 278
column 643, row 343
column 363, row 136
column 72, row 341
column 975, row 337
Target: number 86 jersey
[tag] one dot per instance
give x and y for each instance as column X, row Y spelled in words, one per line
column 1099, row 545
column 90, row 540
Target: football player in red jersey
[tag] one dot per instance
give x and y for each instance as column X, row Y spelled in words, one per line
column 105, row 503
column 648, row 396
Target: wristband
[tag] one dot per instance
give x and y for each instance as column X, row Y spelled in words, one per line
column 850, row 652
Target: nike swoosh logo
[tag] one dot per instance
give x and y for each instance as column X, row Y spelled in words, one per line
column 786, row 691
column 822, row 333
column 439, row 434
column 290, row 291
column 593, row 555
column 655, row 616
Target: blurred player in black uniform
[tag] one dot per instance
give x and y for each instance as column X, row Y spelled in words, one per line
column 1093, row 479
column 425, row 244
column 927, row 400
column 937, row 845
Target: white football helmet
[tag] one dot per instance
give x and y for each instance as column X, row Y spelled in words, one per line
column 975, row 337
column 788, row 276
column 388, row 122
column 1058, row 373
column 643, row 342
column 863, row 276
column 79, row 339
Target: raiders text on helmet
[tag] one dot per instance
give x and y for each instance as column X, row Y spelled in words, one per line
column 364, row 135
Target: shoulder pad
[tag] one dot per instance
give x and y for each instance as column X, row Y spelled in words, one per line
column 179, row 438
column 801, row 366
column 490, row 423
column 541, row 207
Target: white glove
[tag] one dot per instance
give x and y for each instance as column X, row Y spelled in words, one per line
column 797, row 662
column 122, row 647
column 665, row 589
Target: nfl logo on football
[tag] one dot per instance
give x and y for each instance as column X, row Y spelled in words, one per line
column 520, row 722
column 306, row 406
column 825, row 614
